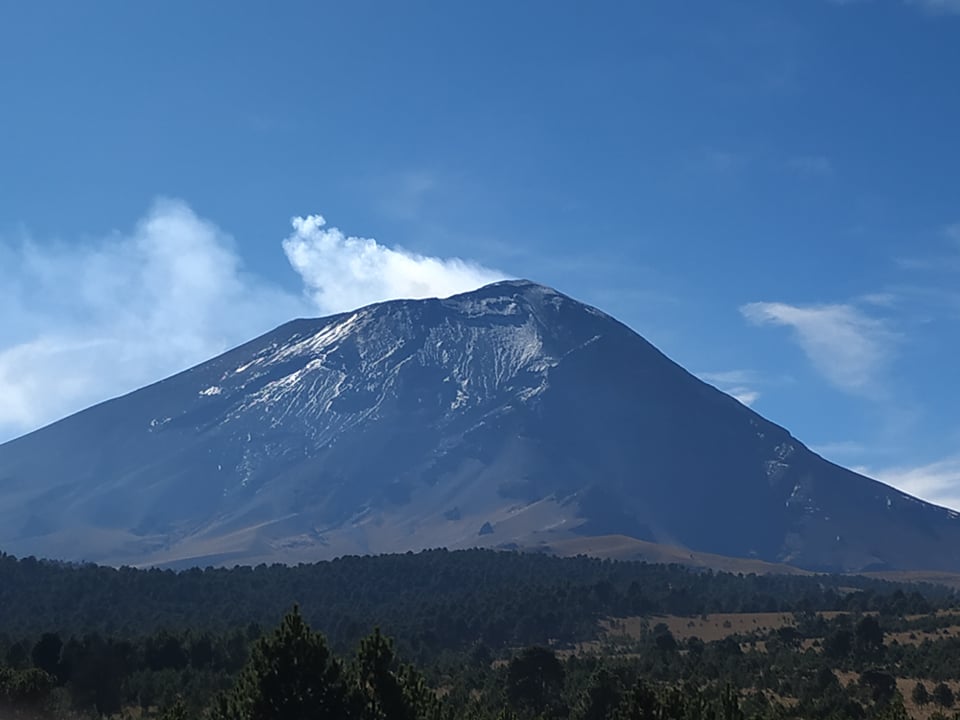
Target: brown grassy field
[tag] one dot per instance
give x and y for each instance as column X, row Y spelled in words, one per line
column 949, row 579
column 619, row 633
column 905, row 686
column 715, row 626
column 916, row 637
column 621, row 547
column 708, row 628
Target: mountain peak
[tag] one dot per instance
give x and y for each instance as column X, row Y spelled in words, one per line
column 512, row 288
column 521, row 283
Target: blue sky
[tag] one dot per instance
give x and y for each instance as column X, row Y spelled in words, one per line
column 768, row 190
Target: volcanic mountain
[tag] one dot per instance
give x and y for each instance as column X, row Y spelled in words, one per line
column 512, row 416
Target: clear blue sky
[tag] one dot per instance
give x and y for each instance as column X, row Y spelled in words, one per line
column 768, row 190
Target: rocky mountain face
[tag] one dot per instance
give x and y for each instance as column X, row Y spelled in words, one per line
column 512, row 416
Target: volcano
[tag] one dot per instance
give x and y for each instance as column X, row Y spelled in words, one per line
column 512, row 416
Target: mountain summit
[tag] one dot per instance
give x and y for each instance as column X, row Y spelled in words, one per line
column 512, row 416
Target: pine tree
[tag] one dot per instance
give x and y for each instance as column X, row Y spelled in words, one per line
column 641, row 703
column 177, row 711
column 943, row 695
column 46, row 654
column 601, row 698
column 387, row 690
column 534, row 680
column 291, row 675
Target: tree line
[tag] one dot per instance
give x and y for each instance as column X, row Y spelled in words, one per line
column 482, row 634
column 431, row 601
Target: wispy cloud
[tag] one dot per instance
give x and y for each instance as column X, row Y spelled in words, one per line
column 937, row 482
column 723, row 161
column 80, row 323
column 847, row 346
column 745, row 395
column 814, row 165
column 342, row 272
column 739, row 384
column 83, row 322
column 944, row 259
column 405, row 195
column 841, row 450
column 935, row 7
column 885, row 299
column 952, row 233
column 939, row 7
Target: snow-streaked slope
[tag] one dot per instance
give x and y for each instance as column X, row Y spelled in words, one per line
column 510, row 415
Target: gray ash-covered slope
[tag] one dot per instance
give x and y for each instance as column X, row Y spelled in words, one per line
column 509, row 415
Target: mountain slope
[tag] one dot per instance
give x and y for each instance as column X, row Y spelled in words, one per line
column 509, row 415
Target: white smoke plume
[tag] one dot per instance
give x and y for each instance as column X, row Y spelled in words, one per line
column 342, row 273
